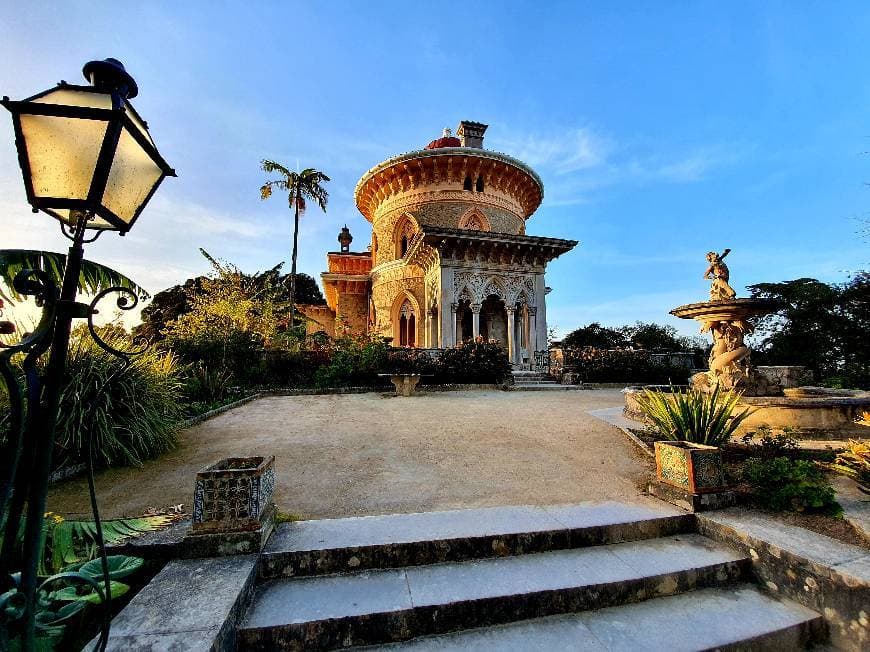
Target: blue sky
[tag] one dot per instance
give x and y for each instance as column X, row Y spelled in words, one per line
column 661, row 130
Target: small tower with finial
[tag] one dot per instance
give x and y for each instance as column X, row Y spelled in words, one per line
column 344, row 239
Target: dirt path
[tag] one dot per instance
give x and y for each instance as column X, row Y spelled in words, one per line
column 346, row 455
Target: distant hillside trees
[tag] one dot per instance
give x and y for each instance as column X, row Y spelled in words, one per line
column 824, row 327
column 647, row 336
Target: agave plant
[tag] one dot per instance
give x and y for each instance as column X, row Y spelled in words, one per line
column 692, row 415
column 854, row 462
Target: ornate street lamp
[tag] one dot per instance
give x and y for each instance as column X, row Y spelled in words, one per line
column 87, row 160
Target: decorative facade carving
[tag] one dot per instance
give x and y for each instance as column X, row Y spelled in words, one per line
column 474, row 220
column 510, row 288
column 411, row 200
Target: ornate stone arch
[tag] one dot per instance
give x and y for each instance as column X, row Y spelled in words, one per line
column 407, row 320
column 519, row 289
column 494, row 285
column 474, row 220
column 403, row 232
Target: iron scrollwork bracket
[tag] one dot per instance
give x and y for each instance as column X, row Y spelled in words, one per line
column 18, row 448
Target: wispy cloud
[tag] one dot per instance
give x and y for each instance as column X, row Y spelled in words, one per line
column 578, row 161
column 576, row 149
column 184, row 217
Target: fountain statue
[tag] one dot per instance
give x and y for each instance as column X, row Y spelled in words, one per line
column 777, row 395
column 728, row 319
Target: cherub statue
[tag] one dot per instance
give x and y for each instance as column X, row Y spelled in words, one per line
column 720, row 290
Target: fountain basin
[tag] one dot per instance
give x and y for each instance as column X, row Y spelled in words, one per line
column 814, row 413
column 713, row 311
column 816, row 416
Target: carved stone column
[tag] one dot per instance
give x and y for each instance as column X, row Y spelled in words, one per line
column 475, row 320
column 433, row 326
column 447, row 325
column 533, row 319
column 541, row 305
column 512, row 355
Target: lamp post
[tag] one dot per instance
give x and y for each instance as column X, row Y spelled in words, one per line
column 88, row 161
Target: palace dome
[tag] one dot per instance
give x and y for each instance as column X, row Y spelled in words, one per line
column 447, row 140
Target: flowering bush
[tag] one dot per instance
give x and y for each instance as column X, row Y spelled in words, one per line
column 472, row 362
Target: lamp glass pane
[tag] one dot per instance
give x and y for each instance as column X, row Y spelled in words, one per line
column 74, row 97
column 134, row 118
column 62, row 153
column 132, row 176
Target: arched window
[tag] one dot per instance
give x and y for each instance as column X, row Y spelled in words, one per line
column 407, row 325
column 474, row 223
column 404, row 233
column 475, row 220
column 468, row 184
column 479, row 185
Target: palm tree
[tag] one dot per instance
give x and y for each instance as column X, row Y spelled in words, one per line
column 300, row 187
column 93, row 277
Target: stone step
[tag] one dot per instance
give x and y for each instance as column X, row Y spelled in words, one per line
column 329, row 546
column 535, row 380
column 382, row 606
column 545, row 388
column 731, row 617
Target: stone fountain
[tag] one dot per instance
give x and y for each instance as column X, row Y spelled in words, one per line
column 775, row 394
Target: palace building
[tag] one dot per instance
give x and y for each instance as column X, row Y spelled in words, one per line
column 449, row 258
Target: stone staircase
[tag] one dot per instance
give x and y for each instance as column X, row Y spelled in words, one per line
column 533, row 381
column 596, row 576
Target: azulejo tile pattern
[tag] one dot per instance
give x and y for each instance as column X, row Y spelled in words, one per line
column 691, row 467
column 233, row 494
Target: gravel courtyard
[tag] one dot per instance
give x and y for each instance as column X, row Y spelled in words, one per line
column 342, row 455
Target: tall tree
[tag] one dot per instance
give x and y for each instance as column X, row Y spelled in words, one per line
column 300, row 187
column 596, row 336
column 823, row 327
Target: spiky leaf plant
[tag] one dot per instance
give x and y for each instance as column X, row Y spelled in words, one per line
column 854, row 462
column 692, row 415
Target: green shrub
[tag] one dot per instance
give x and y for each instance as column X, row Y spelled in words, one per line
column 134, row 419
column 783, row 484
column 593, row 365
column 287, row 368
column 410, row 361
column 472, row 362
column 692, row 415
column 235, row 351
column 204, row 384
column 354, row 361
column 767, row 445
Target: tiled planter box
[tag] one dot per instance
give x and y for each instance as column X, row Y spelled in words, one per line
column 232, row 495
column 694, row 468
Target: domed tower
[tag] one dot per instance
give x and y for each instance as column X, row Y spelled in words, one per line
column 450, row 258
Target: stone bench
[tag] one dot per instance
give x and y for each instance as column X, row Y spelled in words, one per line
column 405, row 384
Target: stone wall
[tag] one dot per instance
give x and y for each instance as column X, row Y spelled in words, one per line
column 786, row 376
column 352, row 314
column 387, row 286
column 323, row 319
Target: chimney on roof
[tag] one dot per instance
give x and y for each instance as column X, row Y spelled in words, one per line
column 471, row 133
